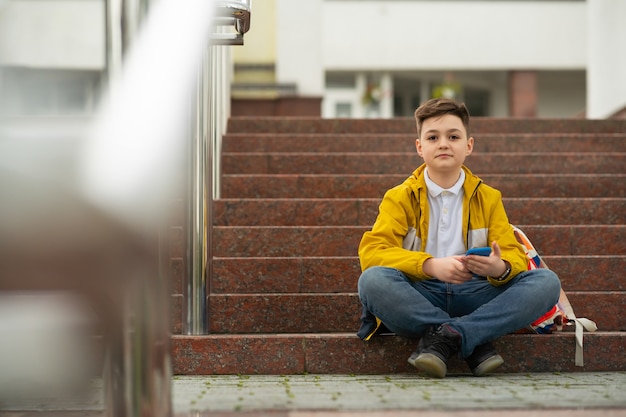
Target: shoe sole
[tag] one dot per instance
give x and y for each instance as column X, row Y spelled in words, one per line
column 430, row 364
column 488, row 365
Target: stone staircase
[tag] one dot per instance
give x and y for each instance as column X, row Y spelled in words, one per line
column 298, row 193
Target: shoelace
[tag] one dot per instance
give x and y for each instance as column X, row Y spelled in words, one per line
column 441, row 343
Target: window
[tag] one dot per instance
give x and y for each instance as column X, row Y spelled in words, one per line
column 477, row 101
column 343, row 110
column 337, row 80
column 44, row 92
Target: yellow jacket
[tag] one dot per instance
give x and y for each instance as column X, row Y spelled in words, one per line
column 398, row 237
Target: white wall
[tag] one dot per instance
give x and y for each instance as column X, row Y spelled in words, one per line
column 298, row 46
column 454, row 34
column 63, row 34
column 606, row 69
column 401, row 35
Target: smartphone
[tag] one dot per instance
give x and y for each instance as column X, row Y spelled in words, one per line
column 486, row 251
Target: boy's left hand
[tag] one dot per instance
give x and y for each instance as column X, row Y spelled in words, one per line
column 486, row 266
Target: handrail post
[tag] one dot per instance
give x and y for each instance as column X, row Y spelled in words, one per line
column 200, row 207
column 211, row 110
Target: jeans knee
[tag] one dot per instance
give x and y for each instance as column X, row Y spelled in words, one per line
column 550, row 283
column 369, row 280
column 555, row 284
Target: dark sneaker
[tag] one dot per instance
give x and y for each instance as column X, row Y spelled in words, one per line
column 484, row 359
column 434, row 349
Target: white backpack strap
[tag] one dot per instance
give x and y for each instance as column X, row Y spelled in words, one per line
column 582, row 324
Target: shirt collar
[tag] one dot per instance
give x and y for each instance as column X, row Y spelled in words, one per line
column 434, row 190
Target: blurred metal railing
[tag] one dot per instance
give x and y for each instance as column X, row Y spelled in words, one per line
column 133, row 383
column 85, row 216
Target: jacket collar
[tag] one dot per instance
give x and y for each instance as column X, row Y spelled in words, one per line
column 471, row 181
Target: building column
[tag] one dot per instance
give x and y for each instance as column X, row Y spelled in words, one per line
column 523, row 93
column 606, row 66
column 386, row 101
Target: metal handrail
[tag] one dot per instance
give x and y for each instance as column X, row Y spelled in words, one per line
column 235, row 14
column 212, row 107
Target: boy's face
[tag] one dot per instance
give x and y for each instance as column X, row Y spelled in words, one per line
column 443, row 143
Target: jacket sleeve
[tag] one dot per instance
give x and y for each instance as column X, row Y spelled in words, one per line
column 501, row 231
column 383, row 244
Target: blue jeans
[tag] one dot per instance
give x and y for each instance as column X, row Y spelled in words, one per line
column 477, row 310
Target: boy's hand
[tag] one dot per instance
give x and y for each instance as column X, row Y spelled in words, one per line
column 450, row 269
column 486, row 266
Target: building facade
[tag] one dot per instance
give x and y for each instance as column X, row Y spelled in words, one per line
column 381, row 58
column 352, row 58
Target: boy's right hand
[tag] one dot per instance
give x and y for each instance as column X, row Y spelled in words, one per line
column 449, row 269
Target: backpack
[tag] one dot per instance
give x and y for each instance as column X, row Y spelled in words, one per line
column 562, row 314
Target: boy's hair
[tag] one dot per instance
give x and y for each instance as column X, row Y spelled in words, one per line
column 438, row 107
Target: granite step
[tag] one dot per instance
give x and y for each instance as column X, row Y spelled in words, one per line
column 405, row 142
column 345, row 353
column 340, row 312
column 339, row 274
column 406, row 125
column 363, row 211
column 297, row 241
column 406, row 162
column 374, row 185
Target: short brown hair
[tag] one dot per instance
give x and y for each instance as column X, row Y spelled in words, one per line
column 437, row 107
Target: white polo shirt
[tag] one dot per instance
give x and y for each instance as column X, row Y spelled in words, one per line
column 445, row 231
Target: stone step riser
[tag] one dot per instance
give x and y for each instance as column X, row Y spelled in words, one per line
column 374, row 186
column 405, row 163
column 259, row 241
column 340, row 275
column 327, row 313
column 346, row 354
column 353, row 212
column 289, row 143
column 479, row 125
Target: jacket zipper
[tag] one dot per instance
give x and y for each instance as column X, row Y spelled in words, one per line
column 469, row 214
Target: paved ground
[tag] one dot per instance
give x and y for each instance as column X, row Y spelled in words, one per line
column 554, row 394
column 399, row 392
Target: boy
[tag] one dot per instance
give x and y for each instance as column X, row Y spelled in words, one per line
column 417, row 280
